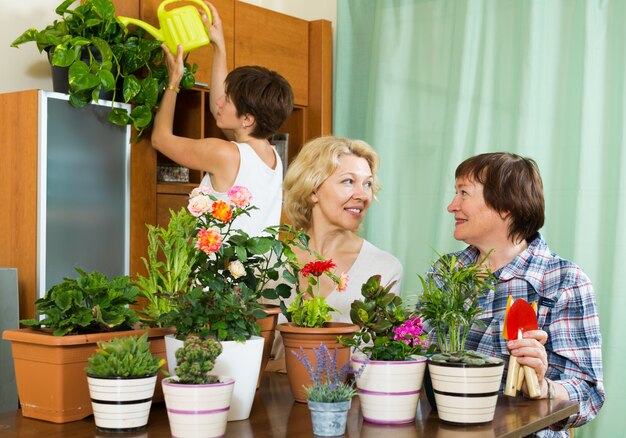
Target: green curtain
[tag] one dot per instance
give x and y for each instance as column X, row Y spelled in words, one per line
column 429, row 83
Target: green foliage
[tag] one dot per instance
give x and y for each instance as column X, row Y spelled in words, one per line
column 465, row 357
column 87, row 304
column 114, row 57
column 450, row 300
column 378, row 316
column 171, row 256
column 128, row 356
column 195, row 359
column 312, row 312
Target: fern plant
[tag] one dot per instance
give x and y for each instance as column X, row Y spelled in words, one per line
column 128, row 356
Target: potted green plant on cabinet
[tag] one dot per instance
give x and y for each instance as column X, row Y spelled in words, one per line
column 95, row 53
column 310, row 324
column 198, row 402
column 329, row 395
column 465, row 383
column 232, row 272
column 388, row 347
column 49, row 353
column 122, row 375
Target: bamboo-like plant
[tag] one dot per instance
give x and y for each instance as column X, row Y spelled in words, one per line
column 450, row 300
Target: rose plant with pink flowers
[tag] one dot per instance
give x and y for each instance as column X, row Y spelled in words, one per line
column 388, row 331
column 233, row 270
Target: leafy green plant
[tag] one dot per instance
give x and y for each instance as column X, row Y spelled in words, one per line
column 90, row 32
column 465, row 357
column 450, row 300
column 233, row 270
column 387, row 331
column 128, row 356
column 171, row 257
column 309, row 308
column 195, row 359
column 329, row 379
column 88, row 304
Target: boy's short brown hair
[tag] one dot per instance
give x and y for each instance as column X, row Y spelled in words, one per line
column 264, row 94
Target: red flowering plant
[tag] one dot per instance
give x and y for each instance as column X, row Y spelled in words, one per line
column 309, row 308
column 387, row 330
column 233, row 270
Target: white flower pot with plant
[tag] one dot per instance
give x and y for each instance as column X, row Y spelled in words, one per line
column 198, row 402
column 122, row 375
column 389, row 341
column 329, row 395
column 465, row 383
column 232, row 271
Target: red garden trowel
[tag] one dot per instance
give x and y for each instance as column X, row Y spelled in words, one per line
column 520, row 317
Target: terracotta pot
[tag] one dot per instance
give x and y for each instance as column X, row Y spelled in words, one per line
column 268, row 331
column 295, row 337
column 50, row 370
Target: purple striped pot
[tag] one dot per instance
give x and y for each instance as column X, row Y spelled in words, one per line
column 389, row 390
column 198, row 410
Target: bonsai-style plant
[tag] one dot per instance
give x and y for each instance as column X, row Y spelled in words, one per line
column 196, row 360
column 89, row 303
column 450, row 305
column 171, row 257
column 330, row 394
column 102, row 55
column 309, row 308
column 232, row 270
column 387, row 330
column 128, row 356
column 197, row 401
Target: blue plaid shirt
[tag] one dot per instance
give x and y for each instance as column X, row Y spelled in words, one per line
column 567, row 312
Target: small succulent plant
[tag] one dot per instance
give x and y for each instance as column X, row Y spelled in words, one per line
column 195, row 359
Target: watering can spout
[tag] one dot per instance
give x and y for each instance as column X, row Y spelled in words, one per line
column 156, row 33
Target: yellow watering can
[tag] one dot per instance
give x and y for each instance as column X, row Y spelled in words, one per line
column 181, row 25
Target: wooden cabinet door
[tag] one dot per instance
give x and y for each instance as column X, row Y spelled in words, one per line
column 275, row 41
column 202, row 56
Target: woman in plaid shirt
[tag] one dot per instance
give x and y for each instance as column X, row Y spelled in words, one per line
column 499, row 207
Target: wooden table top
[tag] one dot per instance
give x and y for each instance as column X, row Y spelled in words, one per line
column 275, row 414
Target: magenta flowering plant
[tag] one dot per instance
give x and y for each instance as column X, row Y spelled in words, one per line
column 387, row 330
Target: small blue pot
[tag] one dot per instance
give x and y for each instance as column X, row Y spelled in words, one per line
column 329, row 419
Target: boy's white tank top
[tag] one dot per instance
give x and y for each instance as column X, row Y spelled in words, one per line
column 265, row 185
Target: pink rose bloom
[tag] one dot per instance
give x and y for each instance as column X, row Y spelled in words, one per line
column 343, row 282
column 201, row 190
column 240, row 196
column 198, row 205
column 209, row 240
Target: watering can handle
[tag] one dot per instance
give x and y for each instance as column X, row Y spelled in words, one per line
column 200, row 2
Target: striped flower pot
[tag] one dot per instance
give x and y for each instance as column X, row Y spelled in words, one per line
column 239, row 360
column 465, row 394
column 121, row 404
column 389, row 390
column 198, row 411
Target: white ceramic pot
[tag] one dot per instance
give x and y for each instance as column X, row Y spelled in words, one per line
column 198, row 411
column 465, row 394
column 389, row 390
column 121, row 404
column 239, row 360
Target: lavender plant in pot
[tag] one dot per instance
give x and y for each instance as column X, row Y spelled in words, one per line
column 330, row 394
